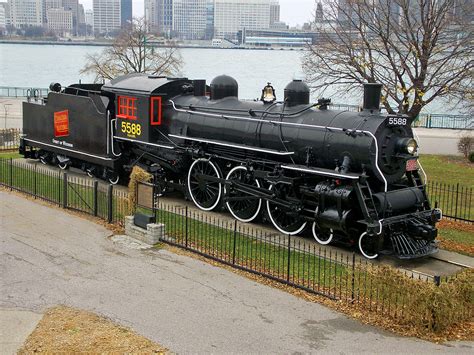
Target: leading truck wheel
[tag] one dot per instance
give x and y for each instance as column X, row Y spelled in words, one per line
column 282, row 218
column 242, row 206
column 205, row 193
column 322, row 236
column 367, row 246
column 114, row 179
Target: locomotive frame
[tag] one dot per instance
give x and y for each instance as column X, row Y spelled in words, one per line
column 300, row 165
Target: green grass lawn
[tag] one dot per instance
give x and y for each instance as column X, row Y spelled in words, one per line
column 8, row 155
column 448, row 169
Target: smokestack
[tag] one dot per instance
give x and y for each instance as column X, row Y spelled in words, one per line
column 372, row 92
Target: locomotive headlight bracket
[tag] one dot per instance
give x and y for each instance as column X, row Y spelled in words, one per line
column 408, row 145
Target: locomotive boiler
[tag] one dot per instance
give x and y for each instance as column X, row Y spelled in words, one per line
column 346, row 176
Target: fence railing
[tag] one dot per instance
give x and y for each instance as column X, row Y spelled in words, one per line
column 426, row 120
column 12, row 91
column 434, row 120
column 297, row 262
column 70, row 192
column 455, row 201
column 9, row 138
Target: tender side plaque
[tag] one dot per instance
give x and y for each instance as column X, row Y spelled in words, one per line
column 61, row 123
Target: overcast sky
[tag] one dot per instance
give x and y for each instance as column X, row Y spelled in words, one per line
column 293, row 12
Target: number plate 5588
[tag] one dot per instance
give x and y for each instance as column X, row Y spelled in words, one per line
column 131, row 129
column 397, row 121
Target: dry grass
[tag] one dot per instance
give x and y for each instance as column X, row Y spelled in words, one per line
column 137, row 175
column 68, row 330
column 456, row 236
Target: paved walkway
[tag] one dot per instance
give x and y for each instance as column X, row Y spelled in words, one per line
column 15, row 326
column 48, row 257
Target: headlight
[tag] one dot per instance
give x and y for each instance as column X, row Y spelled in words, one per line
column 411, row 146
column 407, row 146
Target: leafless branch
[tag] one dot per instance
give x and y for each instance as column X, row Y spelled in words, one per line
column 420, row 50
column 130, row 54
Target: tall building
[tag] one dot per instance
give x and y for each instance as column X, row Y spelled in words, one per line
column 89, row 21
column 274, row 12
column 230, row 16
column 125, row 12
column 107, row 16
column 190, row 18
column 60, row 21
column 3, row 20
column 24, row 13
column 73, row 6
column 159, row 16
column 6, row 10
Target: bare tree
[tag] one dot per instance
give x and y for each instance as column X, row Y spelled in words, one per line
column 420, row 50
column 130, row 54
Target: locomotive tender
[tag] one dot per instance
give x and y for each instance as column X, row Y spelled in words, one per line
column 350, row 177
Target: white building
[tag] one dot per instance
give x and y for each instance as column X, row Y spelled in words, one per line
column 159, row 16
column 89, row 17
column 190, row 18
column 107, row 16
column 230, row 16
column 3, row 19
column 24, row 13
column 274, row 12
column 60, row 21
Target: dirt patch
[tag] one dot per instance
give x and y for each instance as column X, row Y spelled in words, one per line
column 68, row 330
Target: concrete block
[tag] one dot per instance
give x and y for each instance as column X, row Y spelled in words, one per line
column 151, row 235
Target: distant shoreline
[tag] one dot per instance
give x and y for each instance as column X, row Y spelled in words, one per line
column 107, row 44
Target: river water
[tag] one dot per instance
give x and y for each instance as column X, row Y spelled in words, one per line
column 27, row 65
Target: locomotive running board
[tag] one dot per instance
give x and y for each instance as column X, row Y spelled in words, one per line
column 238, row 146
column 322, row 172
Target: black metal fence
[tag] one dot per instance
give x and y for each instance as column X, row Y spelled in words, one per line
column 297, row 262
column 9, row 138
column 455, row 201
column 300, row 263
column 55, row 186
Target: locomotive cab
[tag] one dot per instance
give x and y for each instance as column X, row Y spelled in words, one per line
column 139, row 105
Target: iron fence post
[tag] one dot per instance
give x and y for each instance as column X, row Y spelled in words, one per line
column 437, row 280
column 353, row 276
column 110, row 190
column 65, row 190
column 59, row 188
column 186, row 226
column 235, row 240
column 11, row 174
column 96, row 185
column 34, row 181
column 457, row 200
column 289, row 258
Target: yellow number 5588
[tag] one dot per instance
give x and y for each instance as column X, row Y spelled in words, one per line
column 131, row 128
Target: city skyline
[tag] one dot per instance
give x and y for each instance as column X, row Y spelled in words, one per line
column 293, row 12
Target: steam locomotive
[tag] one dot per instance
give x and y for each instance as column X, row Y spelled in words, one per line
column 347, row 176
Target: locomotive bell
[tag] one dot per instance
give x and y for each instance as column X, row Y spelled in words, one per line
column 224, row 86
column 297, row 93
column 268, row 94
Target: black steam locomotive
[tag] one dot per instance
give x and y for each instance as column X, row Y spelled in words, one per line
column 351, row 177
